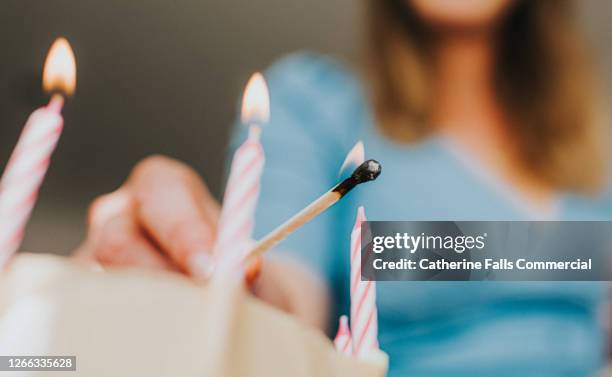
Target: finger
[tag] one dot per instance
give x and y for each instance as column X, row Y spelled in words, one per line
column 113, row 236
column 99, row 213
column 177, row 211
column 108, row 206
column 120, row 243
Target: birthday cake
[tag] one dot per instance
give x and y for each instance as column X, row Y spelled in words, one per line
column 129, row 322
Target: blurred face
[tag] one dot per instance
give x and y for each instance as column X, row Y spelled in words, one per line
column 470, row 14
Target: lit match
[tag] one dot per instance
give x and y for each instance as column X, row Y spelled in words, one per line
column 366, row 172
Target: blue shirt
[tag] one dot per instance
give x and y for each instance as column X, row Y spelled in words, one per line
column 318, row 112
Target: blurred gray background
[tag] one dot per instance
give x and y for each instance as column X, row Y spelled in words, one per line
column 163, row 77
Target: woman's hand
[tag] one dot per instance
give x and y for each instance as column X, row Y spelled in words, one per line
column 162, row 217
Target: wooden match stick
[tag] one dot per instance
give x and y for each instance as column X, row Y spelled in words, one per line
column 367, row 171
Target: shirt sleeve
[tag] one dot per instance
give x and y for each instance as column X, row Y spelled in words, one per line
column 304, row 143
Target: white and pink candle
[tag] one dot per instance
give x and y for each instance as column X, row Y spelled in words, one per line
column 343, row 341
column 236, row 221
column 364, row 314
column 28, row 164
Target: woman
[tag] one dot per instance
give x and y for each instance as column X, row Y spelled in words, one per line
column 478, row 110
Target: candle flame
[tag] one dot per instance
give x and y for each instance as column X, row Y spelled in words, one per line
column 59, row 73
column 256, row 101
column 355, row 157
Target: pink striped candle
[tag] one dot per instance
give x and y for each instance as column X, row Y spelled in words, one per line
column 364, row 315
column 343, row 341
column 30, row 159
column 240, row 199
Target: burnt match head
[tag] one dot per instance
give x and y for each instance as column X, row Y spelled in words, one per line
column 367, row 171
